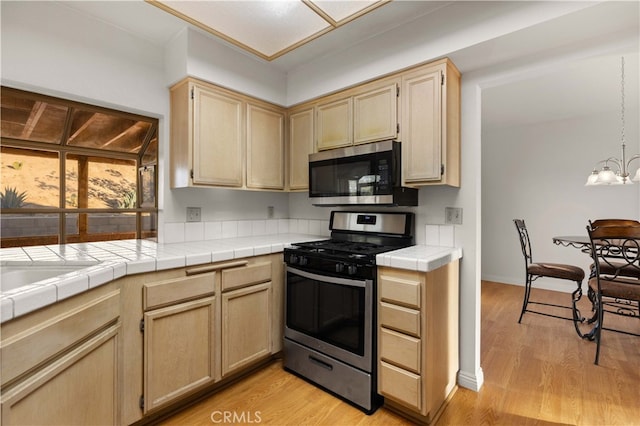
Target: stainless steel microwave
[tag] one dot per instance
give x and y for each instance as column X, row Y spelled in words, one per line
column 362, row 174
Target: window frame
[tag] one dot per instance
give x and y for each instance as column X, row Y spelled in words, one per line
column 62, row 149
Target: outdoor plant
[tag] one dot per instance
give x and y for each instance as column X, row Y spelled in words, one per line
column 11, row 199
column 128, row 200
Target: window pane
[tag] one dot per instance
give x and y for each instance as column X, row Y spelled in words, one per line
column 115, row 224
column 150, row 156
column 29, row 119
column 108, row 132
column 30, row 178
column 96, row 182
column 29, row 229
column 149, row 223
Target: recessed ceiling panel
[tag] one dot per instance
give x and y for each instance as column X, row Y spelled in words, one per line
column 340, row 10
column 271, row 28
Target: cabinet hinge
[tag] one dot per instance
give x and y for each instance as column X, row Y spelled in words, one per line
column 192, row 94
column 142, row 325
column 141, row 402
column 397, row 90
column 397, row 128
column 441, row 169
column 191, row 173
column 441, row 79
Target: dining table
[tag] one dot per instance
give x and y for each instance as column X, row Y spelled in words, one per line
column 582, row 243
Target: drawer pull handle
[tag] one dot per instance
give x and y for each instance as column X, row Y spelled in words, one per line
column 211, row 268
column 320, row 363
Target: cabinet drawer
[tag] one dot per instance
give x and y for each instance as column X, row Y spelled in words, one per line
column 400, row 318
column 246, row 275
column 400, row 349
column 399, row 290
column 400, row 385
column 176, row 290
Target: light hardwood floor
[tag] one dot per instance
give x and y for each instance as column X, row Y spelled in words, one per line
column 536, row 373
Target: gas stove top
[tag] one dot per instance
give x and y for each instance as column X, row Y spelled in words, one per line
column 352, row 249
column 356, row 239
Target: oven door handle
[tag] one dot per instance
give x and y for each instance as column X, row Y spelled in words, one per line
column 330, row 279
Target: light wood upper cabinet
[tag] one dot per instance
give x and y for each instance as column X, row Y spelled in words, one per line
column 265, row 147
column 221, row 138
column 335, row 124
column 364, row 114
column 375, row 114
column 301, row 131
column 207, row 136
column 430, row 125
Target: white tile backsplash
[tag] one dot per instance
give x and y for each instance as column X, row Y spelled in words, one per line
column 194, row 231
column 179, row 232
column 212, row 230
column 229, row 229
column 174, row 232
column 440, row 235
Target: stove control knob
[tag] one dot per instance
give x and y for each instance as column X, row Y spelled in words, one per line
column 339, row 267
column 303, row 261
column 352, row 269
column 293, row 259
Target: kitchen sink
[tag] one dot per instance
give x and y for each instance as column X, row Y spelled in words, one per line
column 14, row 276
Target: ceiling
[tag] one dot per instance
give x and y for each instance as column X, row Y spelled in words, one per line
column 560, row 90
column 149, row 21
column 268, row 29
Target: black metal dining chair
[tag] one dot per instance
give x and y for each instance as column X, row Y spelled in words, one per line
column 616, row 258
column 535, row 270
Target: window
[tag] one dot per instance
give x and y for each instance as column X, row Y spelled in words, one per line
column 72, row 172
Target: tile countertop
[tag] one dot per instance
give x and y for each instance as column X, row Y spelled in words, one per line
column 110, row 260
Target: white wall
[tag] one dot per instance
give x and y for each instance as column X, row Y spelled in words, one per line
column 537, row 172
column 52, row 49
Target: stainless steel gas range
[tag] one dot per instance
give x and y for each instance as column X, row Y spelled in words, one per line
column 330, row 315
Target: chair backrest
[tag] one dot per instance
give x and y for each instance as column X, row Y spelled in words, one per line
column 613, row 222
column 615, row 250
column 525, row 243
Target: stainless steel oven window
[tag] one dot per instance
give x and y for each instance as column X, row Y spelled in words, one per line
column 332, row 315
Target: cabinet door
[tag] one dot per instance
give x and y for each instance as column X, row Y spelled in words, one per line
column 300, row 146
column 375, row 115
column 334, row 124
column 178, row 351
column 80, row 388
column 217, row 138
column 421, row 126
column 246, row 326
column 265, row 148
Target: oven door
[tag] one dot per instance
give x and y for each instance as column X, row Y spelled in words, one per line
column 332, row 315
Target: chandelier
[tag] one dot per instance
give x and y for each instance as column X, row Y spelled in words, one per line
column 621, row 175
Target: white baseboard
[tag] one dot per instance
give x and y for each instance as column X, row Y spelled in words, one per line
column 471, row 381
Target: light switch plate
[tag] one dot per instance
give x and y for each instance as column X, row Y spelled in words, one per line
column 193, row 214
column 453, row 215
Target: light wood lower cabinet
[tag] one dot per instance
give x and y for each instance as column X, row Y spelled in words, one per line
column 62, row 365
column 80, row 388
column 202, row 326
column 178, row 350
column 418, row 339
column 246, row 326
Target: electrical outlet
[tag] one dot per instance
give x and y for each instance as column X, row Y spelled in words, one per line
column 453, row 215
column 193, row 214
